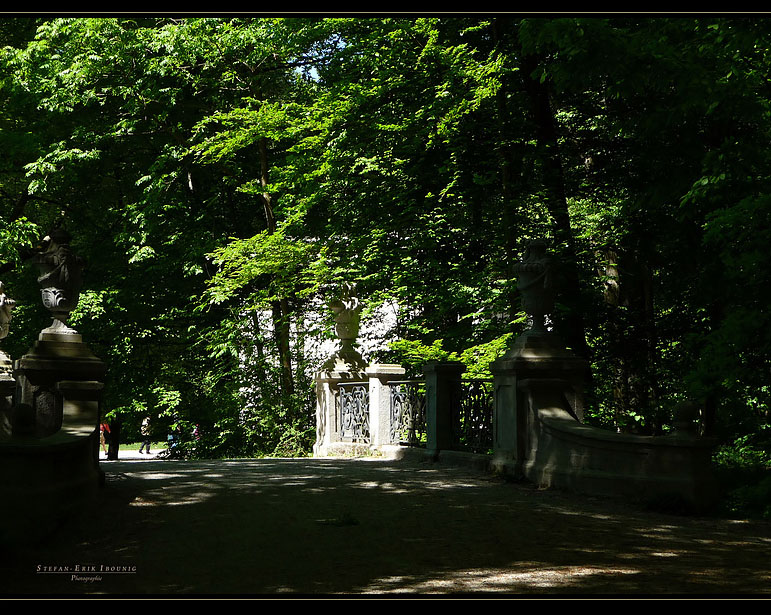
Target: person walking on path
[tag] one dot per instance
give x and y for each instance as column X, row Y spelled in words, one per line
column 104, row 435
column 145, row 431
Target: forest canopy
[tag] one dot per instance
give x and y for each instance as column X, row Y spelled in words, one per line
column 222, row 176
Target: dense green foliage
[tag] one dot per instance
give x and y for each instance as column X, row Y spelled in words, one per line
column 222, row 176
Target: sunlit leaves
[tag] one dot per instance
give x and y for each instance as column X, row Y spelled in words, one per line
column 16, row 235
column 270, row 265
column 271, row 156
column 225, row 134
column 60, row 158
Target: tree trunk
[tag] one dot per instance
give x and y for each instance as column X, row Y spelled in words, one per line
column 280, row 307
column 281, row 328
column 506, row 153
column 631, row 327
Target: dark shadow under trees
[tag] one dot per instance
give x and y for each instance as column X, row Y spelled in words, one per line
column 350, row 526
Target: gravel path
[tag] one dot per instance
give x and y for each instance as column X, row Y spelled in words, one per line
column 338, row 527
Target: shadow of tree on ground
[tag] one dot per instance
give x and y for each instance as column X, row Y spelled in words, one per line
column 364, row 526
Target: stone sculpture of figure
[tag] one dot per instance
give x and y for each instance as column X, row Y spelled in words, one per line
column 6, row 307
column 347, row 309
column 60, row 278
column 535, row 281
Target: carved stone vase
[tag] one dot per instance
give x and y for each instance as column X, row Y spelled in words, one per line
column 536, row 284
column 59, row 278
column 347, row 309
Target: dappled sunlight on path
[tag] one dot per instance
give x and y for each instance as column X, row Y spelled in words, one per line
column 356, row 526
column 534, row 577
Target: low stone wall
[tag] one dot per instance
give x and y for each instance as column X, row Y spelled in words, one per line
column 672, row 469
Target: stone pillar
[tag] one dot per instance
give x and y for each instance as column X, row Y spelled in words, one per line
column 538, row 355
column 327, row 412
column 51, row 459
column 380, row 401
column 80, row 405
column 508, row 418
column 443, row 390
column 58, row 370
column 345, row 365
column 59, row 355
column 7, row 391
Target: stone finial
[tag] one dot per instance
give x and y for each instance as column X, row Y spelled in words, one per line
column 347, row 309
column 60, row 278
column 535, row 282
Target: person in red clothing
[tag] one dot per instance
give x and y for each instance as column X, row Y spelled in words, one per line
column 104, row 435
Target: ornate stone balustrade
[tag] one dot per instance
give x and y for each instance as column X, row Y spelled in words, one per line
column 530, row 415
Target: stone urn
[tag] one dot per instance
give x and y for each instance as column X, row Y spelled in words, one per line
column 59, row 278
column 535, row 282
column 347, row 313
column 347, row 309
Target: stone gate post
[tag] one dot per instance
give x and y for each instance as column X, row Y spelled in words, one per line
column 327, row 414
column 535, row 355
column 380, row 374
column 50, row 458
column 345, row 365
column 443, row 387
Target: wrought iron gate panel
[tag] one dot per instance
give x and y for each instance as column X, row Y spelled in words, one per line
column 473, row 416
column 408, row 412
column 354, row 411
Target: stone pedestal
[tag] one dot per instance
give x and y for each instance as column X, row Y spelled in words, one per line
column 534, row 355
column 49, row 464
column 327, row 416
column 54, row 377
column 45, row 480
column 329, row 439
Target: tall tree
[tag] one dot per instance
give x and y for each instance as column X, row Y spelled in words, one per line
column 222, row 175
